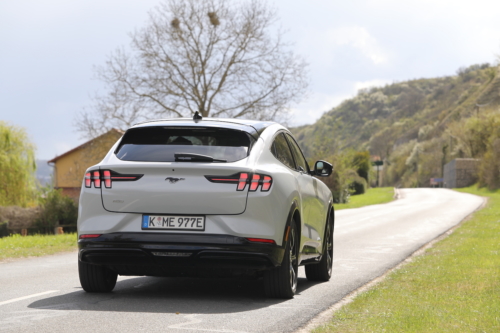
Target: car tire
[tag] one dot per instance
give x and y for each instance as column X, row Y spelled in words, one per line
column 281, row 281
column 322, row 271
column 96, row 279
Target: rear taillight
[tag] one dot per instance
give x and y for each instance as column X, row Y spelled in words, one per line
column 242, row 179
column 96, row 178
column 261, row 240
column 107, row 177
column 88, row 180
column 89, row 236
column 266, row 183
column 254, row 183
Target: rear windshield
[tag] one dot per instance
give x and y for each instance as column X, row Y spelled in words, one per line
column 160, row 144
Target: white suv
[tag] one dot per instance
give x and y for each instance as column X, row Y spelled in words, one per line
column 205, row 197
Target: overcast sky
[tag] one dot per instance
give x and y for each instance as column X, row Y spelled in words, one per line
column 48, row 49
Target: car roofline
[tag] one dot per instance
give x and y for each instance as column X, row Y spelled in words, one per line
column 257, row 126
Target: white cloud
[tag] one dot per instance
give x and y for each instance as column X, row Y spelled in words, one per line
column 359, row 38
column 322, row 46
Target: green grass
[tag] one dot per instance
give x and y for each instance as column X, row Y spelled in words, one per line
column 453, row 287
column 17, row 246
column 373, row 196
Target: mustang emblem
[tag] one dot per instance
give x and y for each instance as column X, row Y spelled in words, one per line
column 173, row 180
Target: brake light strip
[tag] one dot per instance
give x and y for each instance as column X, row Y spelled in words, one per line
column 242, row 179
column 107, row 177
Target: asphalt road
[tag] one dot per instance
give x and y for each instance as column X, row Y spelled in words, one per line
column 44, row 294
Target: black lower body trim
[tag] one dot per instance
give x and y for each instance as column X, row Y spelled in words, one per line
column 161, row 254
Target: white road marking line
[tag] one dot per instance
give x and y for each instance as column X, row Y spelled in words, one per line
column 26, row 297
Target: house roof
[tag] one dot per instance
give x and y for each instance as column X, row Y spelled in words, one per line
column 113, row 130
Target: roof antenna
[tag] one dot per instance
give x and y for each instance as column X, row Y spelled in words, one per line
column 197, row 117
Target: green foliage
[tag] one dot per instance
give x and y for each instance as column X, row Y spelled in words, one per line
column 472, row 135
column 57, row 209
column 396, row 166
column 489, row 167
column 17, row 167
column 464, row 71
column 3, row 229
column 479, row 137
column 345, row 180
column 361, row 161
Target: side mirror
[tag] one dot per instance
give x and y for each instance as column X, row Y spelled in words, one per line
column 323, row 169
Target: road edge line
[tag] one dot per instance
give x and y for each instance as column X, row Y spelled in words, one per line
column 26, row 297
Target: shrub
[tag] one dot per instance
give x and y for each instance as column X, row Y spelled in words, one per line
column 489, row 167
column 345, row 179
column 361, row 161
column 358, row 186
column 3, row 229
column 57, row 210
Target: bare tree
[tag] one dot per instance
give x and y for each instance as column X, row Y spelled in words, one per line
column 220, row 58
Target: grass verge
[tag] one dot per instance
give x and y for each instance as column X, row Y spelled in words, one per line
column 453, row 287
column 373, row 196
column 17, row 246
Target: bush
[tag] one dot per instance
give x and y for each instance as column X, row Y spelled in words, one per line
column 346, row 179
column 361, row 161
column 359, row 186
column 489, row 167
column 57, row 210
column 3, row 229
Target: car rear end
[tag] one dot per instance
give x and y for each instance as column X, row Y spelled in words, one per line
column 181, row 198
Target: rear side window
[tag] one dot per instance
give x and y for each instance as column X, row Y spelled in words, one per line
column 160, row 144
column 297, row 154
column 282, row 152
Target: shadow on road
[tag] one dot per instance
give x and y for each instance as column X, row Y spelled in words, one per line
column 171, row 295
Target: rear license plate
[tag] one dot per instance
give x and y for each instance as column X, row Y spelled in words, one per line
column 172, row 222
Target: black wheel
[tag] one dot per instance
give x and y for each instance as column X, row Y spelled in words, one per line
column 322, row 271
column 281, row 282
column 96, row 279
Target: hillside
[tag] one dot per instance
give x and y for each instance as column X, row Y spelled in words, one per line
column 414, row 125
column 44, row 172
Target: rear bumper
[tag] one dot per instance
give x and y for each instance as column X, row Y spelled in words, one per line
column 161, row 254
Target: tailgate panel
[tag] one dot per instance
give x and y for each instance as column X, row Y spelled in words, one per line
column 174, row 190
